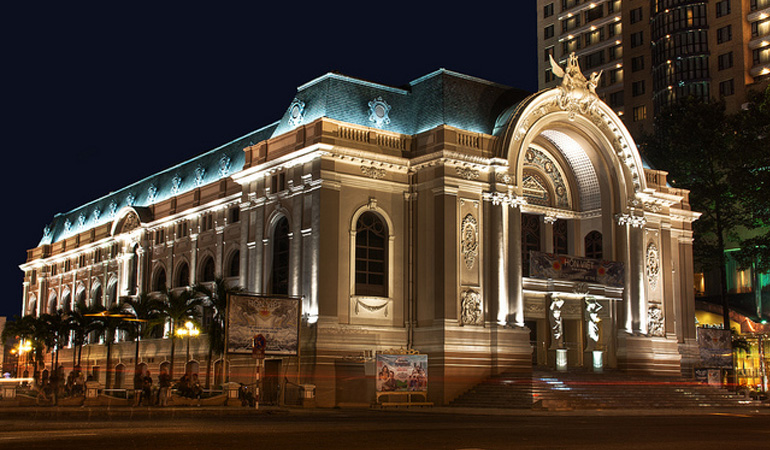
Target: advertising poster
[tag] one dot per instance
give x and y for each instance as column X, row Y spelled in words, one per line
column 572, row 268
column 715, row 348
column 275, row 318
column 402, row 373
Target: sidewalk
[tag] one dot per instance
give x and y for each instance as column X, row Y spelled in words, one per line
column 182, row 412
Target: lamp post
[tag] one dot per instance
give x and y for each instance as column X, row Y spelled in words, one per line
column 188, row 330
column 24, row 346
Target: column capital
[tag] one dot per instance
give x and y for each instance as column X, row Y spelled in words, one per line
column 630, row 219
column 505, row 198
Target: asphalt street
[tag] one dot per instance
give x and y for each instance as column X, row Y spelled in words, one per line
column 343, row 429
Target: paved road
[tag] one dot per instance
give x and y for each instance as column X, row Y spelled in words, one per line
column 372, row 430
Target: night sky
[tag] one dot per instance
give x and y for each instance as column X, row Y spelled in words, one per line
column 97, row 98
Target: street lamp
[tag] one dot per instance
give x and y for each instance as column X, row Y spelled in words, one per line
column 188, row 330
column 24, row 346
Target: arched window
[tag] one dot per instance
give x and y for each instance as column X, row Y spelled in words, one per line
column 234, row 264
column 112, row 293
column 593, row 245
column 66, row 300
column 530, row 239
column 159, row 280
column 279, row 281
column 207, row 270
column 52, row 303
column 371, row 255
column 32, row 307
column 182, row 275
column 81, row 296
column 120, row 376
column 96, row 295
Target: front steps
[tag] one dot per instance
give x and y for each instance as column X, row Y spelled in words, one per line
column 587, row 390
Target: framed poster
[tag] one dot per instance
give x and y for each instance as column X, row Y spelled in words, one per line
column 716, row 350
column 402, row 373
column 275, row 318
column 573, row 268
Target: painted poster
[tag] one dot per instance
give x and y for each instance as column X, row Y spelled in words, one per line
column 715, row 348
column 572, row 268
column 402, row 373
column 276, row 318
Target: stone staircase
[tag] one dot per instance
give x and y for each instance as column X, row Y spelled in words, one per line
column 587, row 390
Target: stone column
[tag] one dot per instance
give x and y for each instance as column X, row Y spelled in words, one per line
column 499, row 258
column 638, row 279
column 516, row 291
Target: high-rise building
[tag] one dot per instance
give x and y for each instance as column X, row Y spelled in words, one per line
column 653, row 52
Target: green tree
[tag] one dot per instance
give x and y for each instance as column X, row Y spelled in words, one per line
column 177, row 306
column 695, row 143
column 146, row 317
column 216, row 305
column 752, row 139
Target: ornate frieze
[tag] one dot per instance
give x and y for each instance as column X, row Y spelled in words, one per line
column 296, row 112
column 469, row 240
column 652, row 265
column 370, row 306
column 536, row 158
column 373, row 172
column 507, row 199
column 224, row 166
column 379, row 112
column 200, row 172
column 468, row 173
column 470, row 308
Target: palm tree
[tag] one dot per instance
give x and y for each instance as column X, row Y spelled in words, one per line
column 216, row 301
column 56, row 333
column 82, row 321
column 146, row 317
column 177, row 307
column 32, row 329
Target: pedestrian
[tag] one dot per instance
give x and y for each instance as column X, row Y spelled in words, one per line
column 164, row 383
column 147, row 388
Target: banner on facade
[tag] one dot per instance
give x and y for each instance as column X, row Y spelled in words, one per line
column 572, row 268
column 277, row 319
column 402, row 373
column 716, row 350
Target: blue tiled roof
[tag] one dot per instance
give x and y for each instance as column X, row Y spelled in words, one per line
column 439, row 98
column 208, row 167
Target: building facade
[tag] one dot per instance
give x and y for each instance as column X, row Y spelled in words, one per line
column 653, row 52
column 416, row 217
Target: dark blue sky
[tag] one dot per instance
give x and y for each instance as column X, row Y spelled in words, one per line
column 97, row 98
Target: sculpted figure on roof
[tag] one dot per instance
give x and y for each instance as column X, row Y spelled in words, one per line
column 576, row 93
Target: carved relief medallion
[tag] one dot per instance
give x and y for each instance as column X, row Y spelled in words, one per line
column 470, row 308
column 469, row 240
column 655, row 322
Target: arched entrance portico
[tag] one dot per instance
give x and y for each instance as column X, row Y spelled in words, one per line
column 571, row 162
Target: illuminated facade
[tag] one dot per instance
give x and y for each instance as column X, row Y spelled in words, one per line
column 406, row 217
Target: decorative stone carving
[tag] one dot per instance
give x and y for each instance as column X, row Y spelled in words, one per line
column 373, row 172
column 576, row 93
column 47, row 231
column 502, row 177
column 224, row 166
column 628, row 219
column 359, row 303
column 592, row 312
column 81, row 220
column 152, row 192
column 296, row 112
column 470, row 308
column 469, row 240
column 67, row 226
column 176, row 184
column 113, row 208
column 655, row 321
column 580, row 288
column 97, row 214
column 130, row 199
column 200, row 172
column 557, row 322
column 652, row 265
column 535, row 158
column 130, row 222
column 507, row 198
column 468, row 173
column 379, row 112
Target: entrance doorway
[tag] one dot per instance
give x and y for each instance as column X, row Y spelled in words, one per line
column 271, row 384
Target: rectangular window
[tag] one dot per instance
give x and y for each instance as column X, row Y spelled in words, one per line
column 594, row 59
column 614, row 29
column 726, row 88
column 637, row 63
column 594, row 13
column 640, row 113
column 549, row 51
column 570, row 24
column 637, row 39
column 615, row 52
column 616, row 99
column 594, row 37
column 235, row 214
column 636, row 15
column 637, row 88
column 548, row 32
column 754, row 29
column 724, row 34
column 548, row 10
column 725, row 60
column 753, row 4
column 723, row 8
column 549, row 75
column 616, row 76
